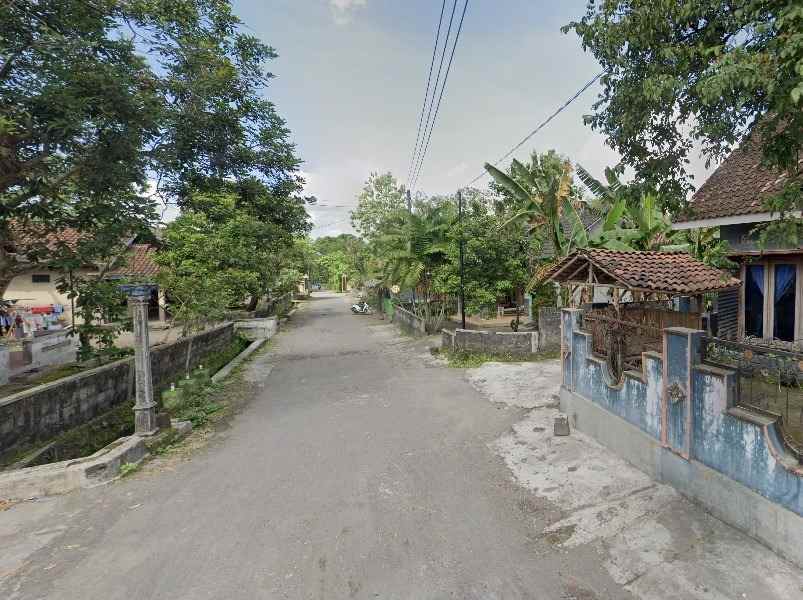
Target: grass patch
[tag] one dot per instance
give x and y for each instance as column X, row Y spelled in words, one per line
column 472, row 360
column 196, row 403
column 127, row 469
column 220, row 359
column 58, row 373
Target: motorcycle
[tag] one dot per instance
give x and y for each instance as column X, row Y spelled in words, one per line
column 361, row 308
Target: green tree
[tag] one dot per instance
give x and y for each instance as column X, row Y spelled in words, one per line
column 541, row 191
column 379, row 200
column 496, row 258
column 217, row 257
column 96, row 97
column 414, row 250
column 343, row 255
column 705, row 70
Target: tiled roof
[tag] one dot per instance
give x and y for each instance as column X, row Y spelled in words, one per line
column 739, row 186
column 667, row 272
column 31, row 236
column 138, row 263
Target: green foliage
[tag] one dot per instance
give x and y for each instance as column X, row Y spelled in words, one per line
column 196, row 404
column 540, row 191
column 496, row 258
column 381, row 196
column 472, row 360
column 634, row 220
column 219, row 253
column 708, row 70
column 98, row 97
column 127, row 469
column 343, row 255
column 102, row 315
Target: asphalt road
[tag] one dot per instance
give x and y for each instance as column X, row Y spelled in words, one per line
column 357, row 469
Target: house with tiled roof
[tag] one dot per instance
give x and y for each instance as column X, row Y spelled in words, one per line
column 768, row 305
column 35, row 289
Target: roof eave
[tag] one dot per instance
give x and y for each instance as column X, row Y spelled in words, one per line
column 761, row 217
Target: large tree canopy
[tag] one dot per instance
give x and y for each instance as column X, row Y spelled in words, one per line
column 99, row 96
column 705, row 70
column 382, row 195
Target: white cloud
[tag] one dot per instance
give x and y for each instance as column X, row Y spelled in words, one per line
column 342, row 10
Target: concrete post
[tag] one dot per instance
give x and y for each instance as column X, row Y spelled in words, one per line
column 681, row 353
column 162, row 304
column 5, row 364
column 144, row 406
column 570, row 319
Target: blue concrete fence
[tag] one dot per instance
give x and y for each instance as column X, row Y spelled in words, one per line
column 677, row 419
column 689, row 408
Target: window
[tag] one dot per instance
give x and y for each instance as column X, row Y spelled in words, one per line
column 754, row 301
column 40, row 278
column 784, row 302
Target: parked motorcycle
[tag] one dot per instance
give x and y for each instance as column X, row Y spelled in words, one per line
column 361, row 308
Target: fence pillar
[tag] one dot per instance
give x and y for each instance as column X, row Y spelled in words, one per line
column 5, row 363
column 570, row 320
column 144, row 407
column 681, row 353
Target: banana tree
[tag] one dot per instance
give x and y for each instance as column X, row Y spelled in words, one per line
column 542, row 193
column 634, row 221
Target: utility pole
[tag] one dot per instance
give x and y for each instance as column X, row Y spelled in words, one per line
column 462, row 289
column 409, row 202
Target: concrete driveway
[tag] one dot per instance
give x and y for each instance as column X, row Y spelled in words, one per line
column 359, row 468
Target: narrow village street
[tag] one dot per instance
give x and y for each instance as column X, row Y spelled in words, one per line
column 362, row 467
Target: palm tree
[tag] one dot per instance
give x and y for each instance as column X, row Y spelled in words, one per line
column 415, row 248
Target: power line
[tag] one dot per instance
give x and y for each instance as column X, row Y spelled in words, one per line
column 435, row 89
column 540, row 126
column 426, row 94
column 443, row 88
column 430, row 122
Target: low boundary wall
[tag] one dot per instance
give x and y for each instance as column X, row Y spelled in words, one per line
column 47, row 410
column 676, row 420
column 257, row 329
column 519, row 344
column 408, row 321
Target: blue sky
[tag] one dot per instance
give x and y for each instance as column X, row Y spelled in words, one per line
column 350, row 81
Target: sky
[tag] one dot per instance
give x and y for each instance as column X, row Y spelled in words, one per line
column 350, row 81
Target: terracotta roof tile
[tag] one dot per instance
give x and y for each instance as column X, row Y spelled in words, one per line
column 138, row 263
column 30, row 236
column 739, row 186
column 668, row 272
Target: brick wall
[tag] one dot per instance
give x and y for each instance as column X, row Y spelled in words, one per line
column 47, row 410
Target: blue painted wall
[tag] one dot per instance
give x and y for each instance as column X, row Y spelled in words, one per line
column 677, row 370
column 636, row 401
column 742, row 450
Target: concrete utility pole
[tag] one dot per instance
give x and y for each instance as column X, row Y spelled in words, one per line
column 462, row 289
column 144, row 406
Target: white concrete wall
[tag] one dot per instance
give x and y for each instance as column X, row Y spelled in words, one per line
column 40, row 294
